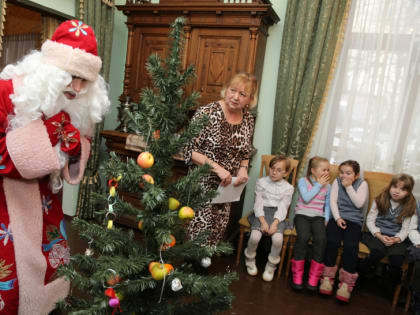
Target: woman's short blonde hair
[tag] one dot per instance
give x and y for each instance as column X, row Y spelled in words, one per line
column 251, row 86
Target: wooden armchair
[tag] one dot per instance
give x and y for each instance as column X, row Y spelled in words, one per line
column 292, row 235
column 244, row 225
column 377, row 182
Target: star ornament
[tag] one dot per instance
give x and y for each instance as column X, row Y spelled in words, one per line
column 78, row 28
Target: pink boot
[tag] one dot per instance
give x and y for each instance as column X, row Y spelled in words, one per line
column 298, row 267
column 327, row 280
column 347, row 282
column 314, row 273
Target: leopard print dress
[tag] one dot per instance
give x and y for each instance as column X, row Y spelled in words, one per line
column 227, row 145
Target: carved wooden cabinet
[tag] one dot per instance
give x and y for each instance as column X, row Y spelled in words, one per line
column 221, row 40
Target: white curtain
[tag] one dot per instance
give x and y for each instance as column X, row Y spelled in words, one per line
column 372, row 114
column 17, row 46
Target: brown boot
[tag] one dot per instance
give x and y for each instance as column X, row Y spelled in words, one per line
column 347, row 282
column 327, row 280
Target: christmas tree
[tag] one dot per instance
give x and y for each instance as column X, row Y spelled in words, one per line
column 153, row 273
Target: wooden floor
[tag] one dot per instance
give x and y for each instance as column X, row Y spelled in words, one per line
column 255, row 297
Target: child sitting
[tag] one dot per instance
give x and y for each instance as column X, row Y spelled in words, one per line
column 273, row 195
column 388, row 222
column 349, row 194
column 312, row 211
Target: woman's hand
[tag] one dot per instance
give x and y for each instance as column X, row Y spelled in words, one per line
column 224, row 175
column 342, row 223
column 242, row 176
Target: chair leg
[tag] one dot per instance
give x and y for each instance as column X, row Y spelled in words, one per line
column 289, row 257
column 240, row 244
column 407, row 301
column 409, row 293
column 396, row 296
column 282, row 256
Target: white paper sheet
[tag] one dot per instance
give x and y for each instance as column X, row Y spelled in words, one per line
column 229, row 193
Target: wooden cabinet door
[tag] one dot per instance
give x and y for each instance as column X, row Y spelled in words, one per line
column 145, row 42
column 217, row 55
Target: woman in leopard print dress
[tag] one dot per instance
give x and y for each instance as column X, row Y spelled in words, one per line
column 226, row 144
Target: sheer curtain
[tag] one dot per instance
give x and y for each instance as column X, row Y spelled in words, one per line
column 17, row 46
column 372, row 113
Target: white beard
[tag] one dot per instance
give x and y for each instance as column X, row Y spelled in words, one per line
column 38, row 91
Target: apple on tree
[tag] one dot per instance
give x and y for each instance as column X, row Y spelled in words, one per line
column 186, row 213
column 145, row 160
column 173, row 204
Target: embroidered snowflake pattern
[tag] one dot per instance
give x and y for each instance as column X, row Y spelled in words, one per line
column 78, row 28
column 59, row 255
column 46, row 203
column 2, row 304
column 5, row 234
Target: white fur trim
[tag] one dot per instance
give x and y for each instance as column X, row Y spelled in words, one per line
column 72, row 60
column 31, row 151
column 26, row 223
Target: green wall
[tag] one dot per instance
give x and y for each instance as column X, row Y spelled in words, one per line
column 64, row 6
column 267, row 95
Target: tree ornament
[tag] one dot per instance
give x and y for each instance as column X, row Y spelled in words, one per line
column 156, row 134
column 159, row 271
column 165, row 246
column 119, row 295
column 110, row 215
column 113, row 184
column 173, row 204
column 114, row 302
column 113, row 280
column 145, row 160
column 169, row 268
column 151, row 265
column 140, row 225
column 89, row 251
column 206, row 262
column 110, row 293
column 148, row 179
column 176, row 285
column 186, row 213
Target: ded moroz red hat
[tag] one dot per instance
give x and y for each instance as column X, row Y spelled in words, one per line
column 73, row 48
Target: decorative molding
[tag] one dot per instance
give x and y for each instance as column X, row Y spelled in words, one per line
column 81, row 9
column 3, row 18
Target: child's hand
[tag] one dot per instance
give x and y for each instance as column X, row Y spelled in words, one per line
column 342, row 223
column 396, row 240
column 273, row 227
column 324, row 179
column 387, row 240
column 346, row 182
column 264, row 225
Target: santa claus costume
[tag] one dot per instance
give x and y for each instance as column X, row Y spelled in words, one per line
column 45, row 125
